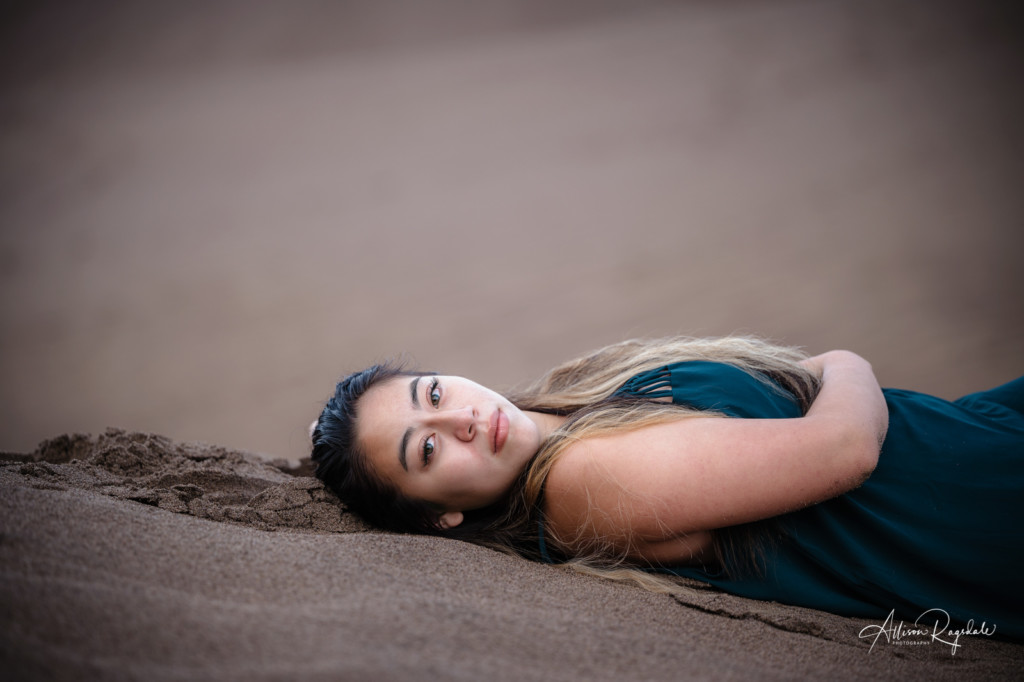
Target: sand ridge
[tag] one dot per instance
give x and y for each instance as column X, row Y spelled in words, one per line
column 208, row 482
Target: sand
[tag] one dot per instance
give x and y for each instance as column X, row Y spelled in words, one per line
column 131, row 556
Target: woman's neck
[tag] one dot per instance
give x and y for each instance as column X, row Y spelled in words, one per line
column 546, row 423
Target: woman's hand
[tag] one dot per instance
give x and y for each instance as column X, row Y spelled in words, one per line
column 817, row 363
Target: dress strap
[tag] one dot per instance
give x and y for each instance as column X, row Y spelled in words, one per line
column 651, row 385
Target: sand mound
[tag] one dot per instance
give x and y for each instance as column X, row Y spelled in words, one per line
column 205, row 481
column 129, row 556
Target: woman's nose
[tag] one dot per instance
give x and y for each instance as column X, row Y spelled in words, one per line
column 462, row 422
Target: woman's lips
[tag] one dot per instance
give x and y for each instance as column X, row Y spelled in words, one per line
column 499, row 430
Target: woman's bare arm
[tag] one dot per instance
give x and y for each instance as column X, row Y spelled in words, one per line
column 703, row 473
column 850, row 392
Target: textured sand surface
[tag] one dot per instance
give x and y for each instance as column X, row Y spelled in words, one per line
column 130, row 556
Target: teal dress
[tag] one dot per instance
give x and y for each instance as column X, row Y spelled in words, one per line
column 938, row 525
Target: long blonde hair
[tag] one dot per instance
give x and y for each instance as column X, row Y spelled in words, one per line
column 583, row 389
column 595, row 376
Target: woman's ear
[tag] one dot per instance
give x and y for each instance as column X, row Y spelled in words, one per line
column 450, row 519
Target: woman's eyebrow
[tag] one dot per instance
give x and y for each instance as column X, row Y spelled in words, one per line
column 414, row 395
column 414, row 391
column 403, row 446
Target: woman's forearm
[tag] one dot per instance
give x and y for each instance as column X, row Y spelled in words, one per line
column 851, row 397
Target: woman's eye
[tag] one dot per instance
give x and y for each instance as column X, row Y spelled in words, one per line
column 435, row 394
column 428, row 450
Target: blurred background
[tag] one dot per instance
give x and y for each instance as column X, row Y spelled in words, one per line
column 212, row 210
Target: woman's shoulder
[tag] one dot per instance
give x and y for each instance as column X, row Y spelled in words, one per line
column 587, row 500
column 598, row 484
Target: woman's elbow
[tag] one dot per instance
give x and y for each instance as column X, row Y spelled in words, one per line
column 856, row 453
column 865, row 456
column 855, row 467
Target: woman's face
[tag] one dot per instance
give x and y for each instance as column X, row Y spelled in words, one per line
column 445, row 440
